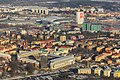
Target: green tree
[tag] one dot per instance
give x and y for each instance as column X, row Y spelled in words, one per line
column 30, row 68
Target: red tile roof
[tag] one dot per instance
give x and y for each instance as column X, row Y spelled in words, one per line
column 65, row 47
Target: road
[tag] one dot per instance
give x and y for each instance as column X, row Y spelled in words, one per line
column 38, row 75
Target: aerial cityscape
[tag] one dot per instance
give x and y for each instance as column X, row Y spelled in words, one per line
column 59, row 39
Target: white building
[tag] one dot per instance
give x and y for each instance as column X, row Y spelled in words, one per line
column 33, row 9
column 80, row 17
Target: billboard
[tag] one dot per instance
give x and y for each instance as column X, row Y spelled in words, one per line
column 81, row 15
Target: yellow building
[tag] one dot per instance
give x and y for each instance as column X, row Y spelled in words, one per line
column 89, row 47
column 78, row 58
column 62, row 38
column 107, row 72
column 107, row 53
column 18, row 36
column 100, row 57
column 98, row 71
column 41, row 36
column 116, row 74
column 33, row 62
column 117, row 55
column 90, row 42
column 83, row 45
column 108, row 48
column 56, row 36
column 118, row 60
column 109, row 61
column 100, row 48
column 84, row 71
column 47, row 37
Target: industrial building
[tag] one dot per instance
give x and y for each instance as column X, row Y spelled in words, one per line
column 62, row 62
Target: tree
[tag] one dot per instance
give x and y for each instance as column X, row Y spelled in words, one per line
column 30, row 68
column 14, row 66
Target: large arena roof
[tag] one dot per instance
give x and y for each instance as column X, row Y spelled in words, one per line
column 56, row 19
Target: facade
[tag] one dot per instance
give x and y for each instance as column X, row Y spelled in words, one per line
column 98, row 71
column 28, row 53
column 91, row 27
column 109, row 61
column 100, row 48
column 61, row 62
column 116, row 74
column 14, row 57
column 86, row 26
column 107, row 72
column 112, row 30
column 80, row 17
column 96, row 27
column 84, row 71
column 100, row 57
column 6, row 56
column 117, row 55
column 62, row 38
column 33, row 9
column 35, row 63
column 44, row 61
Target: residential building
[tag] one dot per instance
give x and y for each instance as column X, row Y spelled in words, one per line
column 84, row 71
column 98, row 71
column 107, row 72
column 116, row 74
column 61, row 62
column 63, row 38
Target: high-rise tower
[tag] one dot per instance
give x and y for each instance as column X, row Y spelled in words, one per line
column 80, row 17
